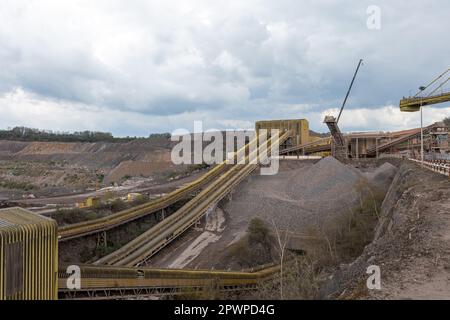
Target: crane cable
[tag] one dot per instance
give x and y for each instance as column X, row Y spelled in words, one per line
column 440, row 86
column 432, row 82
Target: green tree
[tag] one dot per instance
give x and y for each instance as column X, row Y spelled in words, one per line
column 447, row 121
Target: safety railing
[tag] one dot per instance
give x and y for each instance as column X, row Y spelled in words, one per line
column 439, row 166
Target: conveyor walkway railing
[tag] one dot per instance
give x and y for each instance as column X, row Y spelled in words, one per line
column 107, row 282
column 438, row 166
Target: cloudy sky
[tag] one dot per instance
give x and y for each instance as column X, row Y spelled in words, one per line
column 136, row 67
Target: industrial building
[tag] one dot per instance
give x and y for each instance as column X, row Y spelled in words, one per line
column 405, row 143
column 28, row 256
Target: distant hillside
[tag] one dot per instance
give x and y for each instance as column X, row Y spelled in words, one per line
column 86, row 154
column 44, row 167
column 317, row 134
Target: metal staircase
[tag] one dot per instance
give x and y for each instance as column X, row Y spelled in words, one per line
column 338, row 145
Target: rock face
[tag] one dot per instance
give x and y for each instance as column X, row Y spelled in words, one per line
column 136, row 168
column 410, row 244
column 91, row 155
column 58, row 167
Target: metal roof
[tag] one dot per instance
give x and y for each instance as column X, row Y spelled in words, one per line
column 16, row 217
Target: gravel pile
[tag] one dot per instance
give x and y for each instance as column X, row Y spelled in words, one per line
column 327, row 179
column 297, row 198
column 383, row 175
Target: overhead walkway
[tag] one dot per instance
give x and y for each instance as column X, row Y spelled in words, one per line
column 412, row 134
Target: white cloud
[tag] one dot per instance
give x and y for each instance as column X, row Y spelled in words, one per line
column 20, row 108
column 386, row 118
column 161, row 64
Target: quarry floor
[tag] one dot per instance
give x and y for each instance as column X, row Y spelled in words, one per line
column 144, row 186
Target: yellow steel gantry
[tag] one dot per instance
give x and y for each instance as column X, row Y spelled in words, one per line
column 413, row 104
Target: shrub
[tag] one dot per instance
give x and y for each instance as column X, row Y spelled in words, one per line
column 141, row 199
column 258, row 233
column 300, row 280
column 343, row 238
column 255, row 248
column 100, row 177
column 447, row 121
column 8, row 184
column 118, row 205
column 69, row 216
column 196, row 167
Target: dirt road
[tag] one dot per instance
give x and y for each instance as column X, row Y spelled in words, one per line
column 119, row 191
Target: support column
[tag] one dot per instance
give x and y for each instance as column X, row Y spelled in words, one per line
column 376, row 147
column 357, row 148
column 161, row 215
column 197, row 225
column 101, row 239
column 421, row 133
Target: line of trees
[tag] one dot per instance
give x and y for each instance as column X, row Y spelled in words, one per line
column 31, row 134
column 447, row 121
